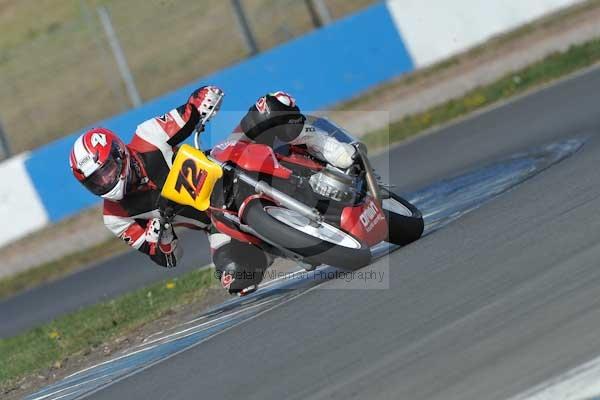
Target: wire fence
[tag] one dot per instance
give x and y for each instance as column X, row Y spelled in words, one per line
column 58, row 71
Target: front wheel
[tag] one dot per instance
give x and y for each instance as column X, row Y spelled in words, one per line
column 405, row 221
column 316, row 243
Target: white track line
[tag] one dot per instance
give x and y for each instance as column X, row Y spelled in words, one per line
column 580, row 383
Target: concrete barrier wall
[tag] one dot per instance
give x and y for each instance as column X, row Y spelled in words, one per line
column 322, row 68
column 21, row 209
column 437, row 29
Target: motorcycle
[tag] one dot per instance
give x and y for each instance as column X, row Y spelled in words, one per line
column 289, row 203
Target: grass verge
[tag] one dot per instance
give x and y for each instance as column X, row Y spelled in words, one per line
column 59, row 268
column 555, row 66
column 75, row 333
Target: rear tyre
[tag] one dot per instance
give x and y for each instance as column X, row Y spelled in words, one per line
column 322, row 244
column 405, row 221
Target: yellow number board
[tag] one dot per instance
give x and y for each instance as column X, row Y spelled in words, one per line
column 192, row 179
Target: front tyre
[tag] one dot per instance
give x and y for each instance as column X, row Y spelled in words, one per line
column 405, row 221
column 315, row 243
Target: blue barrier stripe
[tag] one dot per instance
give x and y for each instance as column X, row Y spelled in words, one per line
column 321, row 68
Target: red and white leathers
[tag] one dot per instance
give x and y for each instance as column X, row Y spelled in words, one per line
column 134, row 217
column 239, row 266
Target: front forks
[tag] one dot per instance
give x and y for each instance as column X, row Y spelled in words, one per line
column 372, row 183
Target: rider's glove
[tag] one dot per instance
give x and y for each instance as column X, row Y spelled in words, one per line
column 207, row 101
column 168, row 240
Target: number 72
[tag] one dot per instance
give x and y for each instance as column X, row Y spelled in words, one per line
column 190, row 178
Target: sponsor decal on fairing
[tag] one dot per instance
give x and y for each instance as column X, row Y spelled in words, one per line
column 371, row 216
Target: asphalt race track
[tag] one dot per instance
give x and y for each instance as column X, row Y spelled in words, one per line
column 502, row 298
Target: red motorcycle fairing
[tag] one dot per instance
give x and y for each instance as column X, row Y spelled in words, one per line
column 251, row 157
column 366, row 222
column 301, row 160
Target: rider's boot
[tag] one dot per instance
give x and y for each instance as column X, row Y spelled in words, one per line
column 239, row 266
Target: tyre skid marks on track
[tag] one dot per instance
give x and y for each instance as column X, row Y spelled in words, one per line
column 452, row 198
column 441, row 203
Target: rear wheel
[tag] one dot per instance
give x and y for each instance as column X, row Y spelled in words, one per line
column 405, row 221
column 316, row 243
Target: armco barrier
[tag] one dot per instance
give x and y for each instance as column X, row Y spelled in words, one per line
column 320, row 69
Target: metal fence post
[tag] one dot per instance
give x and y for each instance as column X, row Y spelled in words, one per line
column 113, row 82
column 319, row 12
column 244, row 27
column 5, row 150
column 117, row 50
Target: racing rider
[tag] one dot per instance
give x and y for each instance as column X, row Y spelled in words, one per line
column 130, row 177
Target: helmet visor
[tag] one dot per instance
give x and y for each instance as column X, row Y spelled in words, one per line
column 107, row 176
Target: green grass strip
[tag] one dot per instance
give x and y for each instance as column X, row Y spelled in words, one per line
column 551, row 68
column 74, row 333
